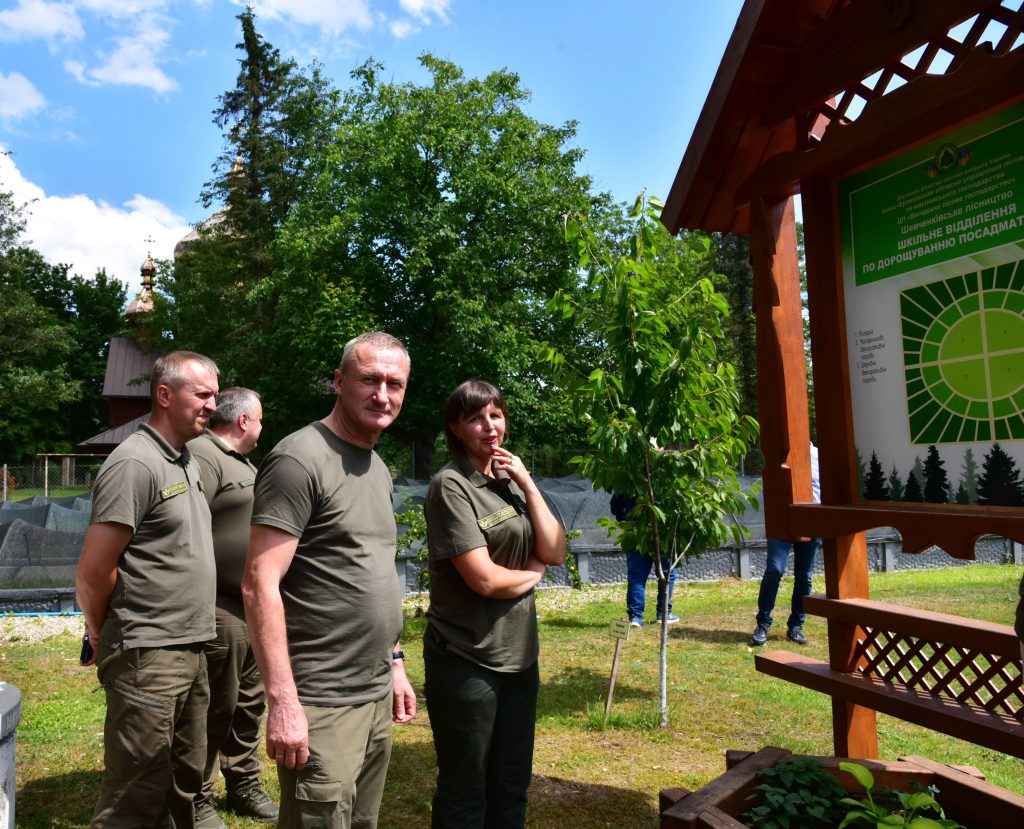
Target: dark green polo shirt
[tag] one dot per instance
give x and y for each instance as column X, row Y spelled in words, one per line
column 228, row 480
column 466, row 509
column 164, row 592
column 342, row 602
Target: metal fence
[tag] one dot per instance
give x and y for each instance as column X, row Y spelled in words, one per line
column 50, row 475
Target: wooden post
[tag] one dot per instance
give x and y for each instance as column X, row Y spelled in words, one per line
column 781, row 364
column 855, row 729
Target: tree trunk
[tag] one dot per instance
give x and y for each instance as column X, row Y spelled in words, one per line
column 422, row 458
column 663, row 647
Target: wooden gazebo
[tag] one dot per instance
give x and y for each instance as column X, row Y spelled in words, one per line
column 841, row 101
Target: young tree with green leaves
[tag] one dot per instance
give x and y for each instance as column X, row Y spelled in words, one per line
column 661, row 412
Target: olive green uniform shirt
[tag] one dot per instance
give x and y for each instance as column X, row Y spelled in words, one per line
column 228, row 480
column 164, row 591
column 466, row 509
column 342, row 603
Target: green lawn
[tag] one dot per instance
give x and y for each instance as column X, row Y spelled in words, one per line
column 585, row 775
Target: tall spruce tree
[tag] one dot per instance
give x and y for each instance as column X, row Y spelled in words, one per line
column 999, row 484
column 274, row 122
column 936, row 484
column 875, row 488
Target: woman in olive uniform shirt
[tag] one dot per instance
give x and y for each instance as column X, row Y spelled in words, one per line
column 490, row 535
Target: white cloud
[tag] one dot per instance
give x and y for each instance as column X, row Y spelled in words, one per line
column 131, row 37
column 423, row 9
column 89, row 235
column 18, row 97
column 402, row 28
column 332, row 16
column 32, row 19
column 133, row 62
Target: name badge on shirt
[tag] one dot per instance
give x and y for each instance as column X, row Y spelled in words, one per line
column 172, row 490
column 495, row 518
column 247, row 482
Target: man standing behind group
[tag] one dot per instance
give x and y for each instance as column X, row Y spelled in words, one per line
column 236, row 689
column 145, row 583
column 323, row 601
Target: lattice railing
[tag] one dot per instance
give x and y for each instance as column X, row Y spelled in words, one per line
column 962, row 674
column 1000, row 25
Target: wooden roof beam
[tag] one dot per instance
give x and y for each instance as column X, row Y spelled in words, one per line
column 854, row 43
column 983, row 82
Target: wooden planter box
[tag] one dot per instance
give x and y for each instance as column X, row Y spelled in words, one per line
column 963, row 792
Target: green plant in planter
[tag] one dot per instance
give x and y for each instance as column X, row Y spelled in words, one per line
column 891, row 807
column 798, row 794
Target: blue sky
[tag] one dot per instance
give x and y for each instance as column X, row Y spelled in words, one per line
column 105, row 105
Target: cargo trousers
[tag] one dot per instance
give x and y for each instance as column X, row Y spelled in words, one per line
column 154, row 735
column 237, row 703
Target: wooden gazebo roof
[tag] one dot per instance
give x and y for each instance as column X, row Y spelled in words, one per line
column 795, row 68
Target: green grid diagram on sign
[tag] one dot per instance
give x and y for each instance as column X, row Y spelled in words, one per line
column 963, row 356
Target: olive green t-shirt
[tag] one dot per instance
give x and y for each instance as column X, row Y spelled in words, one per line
column 466, row 509
column 342, row 603
column 164, row 591
column 228, row 480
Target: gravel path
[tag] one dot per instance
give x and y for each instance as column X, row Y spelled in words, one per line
column 23, row 629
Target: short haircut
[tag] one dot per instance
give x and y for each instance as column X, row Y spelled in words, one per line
column 469, row 398
column 377, row 340
column 169, row 370
column 231, row 404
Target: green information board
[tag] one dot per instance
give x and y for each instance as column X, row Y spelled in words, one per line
column 953, row 197
column 932, row 245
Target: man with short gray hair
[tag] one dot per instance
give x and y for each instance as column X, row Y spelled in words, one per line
column 323, row 599
column 145, row 583
column 237, row 700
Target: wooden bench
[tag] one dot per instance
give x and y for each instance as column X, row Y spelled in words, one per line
column 958, row 676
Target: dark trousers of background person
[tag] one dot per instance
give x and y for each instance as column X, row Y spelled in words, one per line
column 638, row 570
column 154, row 735
column 237, row 702
column 774, row 568
column 483, row 723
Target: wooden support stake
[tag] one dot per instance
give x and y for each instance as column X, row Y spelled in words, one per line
column 620, row 630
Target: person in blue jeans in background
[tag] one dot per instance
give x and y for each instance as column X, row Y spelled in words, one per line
column 638, row 570
column 804, row 553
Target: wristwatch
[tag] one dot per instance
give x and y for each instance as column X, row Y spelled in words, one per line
column 396, row 655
